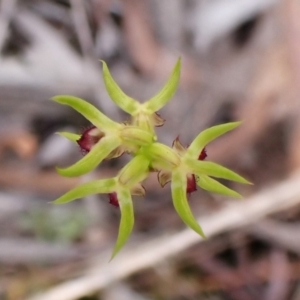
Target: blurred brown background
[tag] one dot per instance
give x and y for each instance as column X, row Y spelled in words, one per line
column 240, row 61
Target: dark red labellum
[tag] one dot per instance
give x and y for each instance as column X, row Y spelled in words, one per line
column 202, row 155
column 191, row 184
column 89, row 138
column 113, row 199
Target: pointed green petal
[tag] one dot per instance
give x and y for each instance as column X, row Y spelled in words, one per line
column 178, row 186
column 88, row 110
column 73, row 137
column 90, row 161
column 161, row 99
column 125, row 102
column 208, row 135
column 212, row 169
column 127, row 220
column 102, row 186
column 214, row 186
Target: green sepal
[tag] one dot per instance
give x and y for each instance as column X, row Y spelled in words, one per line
column 125, row 102
column 135, row 171
column 212, row 185
column 102, row 186
column 90, row 161
column 167, row 92
column 178, row 186
column 215, row 170
column 127, row 219
column 89, row 111
column 73, row 137
column 208, row 135
column 143, row 121
column 162, row 156
column 137, row 136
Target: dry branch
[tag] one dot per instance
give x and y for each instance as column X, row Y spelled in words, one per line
column 280, row 197
column 7, row 8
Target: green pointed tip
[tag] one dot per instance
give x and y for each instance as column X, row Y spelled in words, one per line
column 125, row 102
column 178, row 187
column 208, row 135
column 73, row 137
column 89, row 111
column 102, row 186
column 167, row 92
column 65, row 172
column 213, row 186
column 127, row 220
column 214, row 170
column 91, row 160
column 56, row 99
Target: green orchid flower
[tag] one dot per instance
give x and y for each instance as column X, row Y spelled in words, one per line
column 145, row 114
column 119, row 190
column 105, row 139
column 185, row 167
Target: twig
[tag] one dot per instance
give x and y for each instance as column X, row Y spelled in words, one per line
column 278, row 198
column 7, row 8
column 280, row 274
column 25, row 251
column 281, row 234
column 82, row 28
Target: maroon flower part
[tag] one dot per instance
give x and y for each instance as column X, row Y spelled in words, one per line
column 202, row 155
column 136, row 190
column 191, row 184
column 89, row 138
column 165, row 176
column 157, row 120
column 191, row 178
column 113, row 199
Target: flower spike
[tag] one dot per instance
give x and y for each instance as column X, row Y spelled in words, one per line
column 183, row 166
